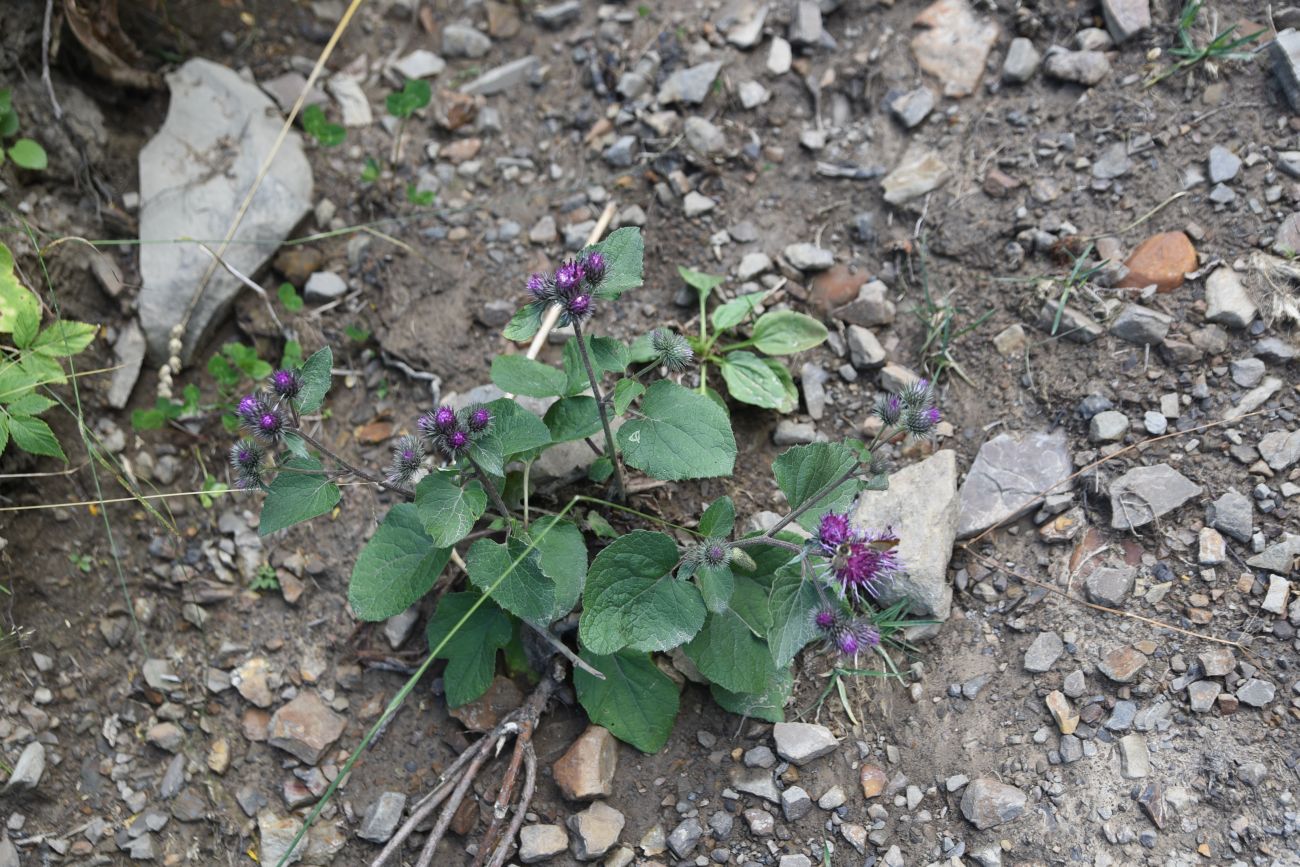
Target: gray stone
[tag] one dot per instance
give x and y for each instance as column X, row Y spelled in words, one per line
column 758, row 783
column 1022, row 61
column 752, row 265
column 354, row 106
column 795, row 803
column 801, row 743
column 1126, row 18
column 1043, row 652
column 420, row 63
column 1081, row 67
column 760, row 756
column 753, row 94
column 28, row 770
column 779, row 56
column 1275, row 598
column 689, row 85
column 794, row 433
column 1252, row 773
column 1075, row 325
column 229, row 122
column 1008, row 476
column 8, row 853
column 794, row 861
column 872, row 307
column 916, row 175
column 381, row 818
column 1135, row 760
column 1227, row 301
column 1144, row 494
column 1223, row 165
column 324, row 286
column 595, row 831
column 1113, row 162
column 1075, row 684
column 503, row 77
column 808, row 257
column 622, row 153
column 922, row 497
column 1284, row 51
column 458, row 40
column 129, row 351
column 1280, row 449
column 539, row 842
column 1202, row 695
column 1108, row 427
column 284, row 89
column 696, row 204
column 912, row 107
column 1255, row 398
column 1122, row 716
column 305, row 728
column 704, row 137
column 832, row 799
column 1156, row 423
column 275, row 835
column 988, row 803
column 1246, row 372
column 761, row 822
column 1256, row 692
column 1110, row 585
column 865, row 351
column 806, row 24
column 1274, row 349
column 685, row 837
column 720, row 824
column 1141, row 325
column 559, row 15
column 743, row 23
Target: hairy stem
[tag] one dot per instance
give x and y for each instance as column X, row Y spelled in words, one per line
column 354, row 470
column 490, row 488
column 611, row 449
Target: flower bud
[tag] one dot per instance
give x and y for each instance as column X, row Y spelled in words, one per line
column 286, row 383
column 672, row 349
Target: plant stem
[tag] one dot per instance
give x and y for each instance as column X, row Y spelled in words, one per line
column 611, row 450
column 813, row 500
column 499, row 503
column 356, row 471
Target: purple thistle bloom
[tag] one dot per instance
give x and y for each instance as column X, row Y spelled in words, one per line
column 246, row 459
column 568, row 276
column 408, row 454
column 286, row 383
column 856, row 637
column 865, row 564
column 479, row 419
column 933, row 415
column 835, row 530
column 250, row 407
column 578, row 307
column 454, row 442
column 541, row 287
column 269, row 426
column 888, row 408
column 593, row 266
column 825, row 619
column 715, row 552
column 445, row 419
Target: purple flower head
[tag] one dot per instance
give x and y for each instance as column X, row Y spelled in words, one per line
column 408, row 454
column 834, row 531
column 269, row 426
column 541, row 287
column 715, row 552
column 865, row 564
column 250, row 408
column 888, row 408
column 568, row 276
column 480, row 418
column 286, row 383
column 594, row 266
column 454, row 442
column 919, row 395
column 853, row 638
column 920, row 422
column 578, row 307
column 825, row 619
column 246, row 458
column 933, row 415
column 444, row 419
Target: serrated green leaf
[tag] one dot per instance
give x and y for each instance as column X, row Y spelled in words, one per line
column 517, row 429
column 802, row 471
column 517, row 374
column 315, row 380
column 624, row 253
column 64, row 337
column 572, row 418
column 766, row 705
column 397, row 566
column 472, row 650
column 719, row 519
column 626, row 391
column 716, row 585
column 680, row 435
column 749, row 600
column 791, row 394
column 523, row 325
column 632, row 599
column 793, row 603
column 751, row 381
column 562, row 553
column 785, row 332
column 729, row 654
column 737, row 310
column 34, row 436
column 15, row 381
column 16, row 300
column 26, row 326
column 4, row 433
column 488, row 453
column 27, row 154
column 448, row 510
column 299, row 492
column 30, row 404
column 636, row 701
column 296, row 445
column 521, row 587
column 42, row 370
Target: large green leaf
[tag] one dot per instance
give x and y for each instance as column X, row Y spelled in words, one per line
column 472, row 650
column 523, row 325
column 751, row 381
column 517, row 429
column 632, row 599
column 736, row 310
column 793, row 603
column 30, row 404
column 34, row 436
column 299, row 492
column 513, row 577
column 16, row 300
column 785, row 332
column 448, row 510
column 572, row 418
column 518, row 374
column 488, row 453
column 802, row 471
column 765, row 705
column 562, row 553
column 791, row 398
column 64, row 337
column 728, row 653
column 626, row 391
column 716, row 585
column 397, row 566
column 680, row 435
column 315, row 380
column 636, row 701
column 624, row 253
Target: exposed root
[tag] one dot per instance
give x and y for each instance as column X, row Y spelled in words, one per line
column 1273, row 281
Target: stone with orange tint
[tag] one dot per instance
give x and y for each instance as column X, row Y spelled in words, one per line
column 1161, row 259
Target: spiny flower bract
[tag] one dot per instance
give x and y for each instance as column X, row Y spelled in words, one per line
column 408, row 454
column 246, row 458
column 286, row 383
column 671, row 350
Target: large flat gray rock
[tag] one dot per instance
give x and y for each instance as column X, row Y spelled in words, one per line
column 921, row 506
column 1010, row 473
column 1144, row 494
column 193, row 176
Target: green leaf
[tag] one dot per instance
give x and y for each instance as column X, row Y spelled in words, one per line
column 632, row 599
column 397, row 566
column 34, row 436
column 784, row 332
column 296, row 445
column 642, row 350
column 315, row 380
column 802, row 471
column 791, row 397
column 319, row 128
column 4, row 433
column 488, row 454
column 292, row 355
column 766, row 705
column 737, row 310
column 793, row 603
column 517, row 429
column 624, row 253
column 64, row 337
column 729, row 654
column 225, row 373
column 371, row 171
column 299, row 492
column 719, row 519
column 16, row 300
column 562, row 553
column 716, row 585
column 513, row 577
column 681, row 435
column 517, row 374
column 447, row 510
column 572, row 418
column 471, row 650
column 607, row 356
column 750, row 380
column 636, row 701
column 523, row 325
column 27, row 324
column 8, row 125
column 27, row 154
column 702, row 283
column 30, row 404
column 288, row 295
column 598, row 524
column 15, row 381
column 600, row 470
column 626, row 391
column 750, row 602
column 412, row 97
column 42, row 370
